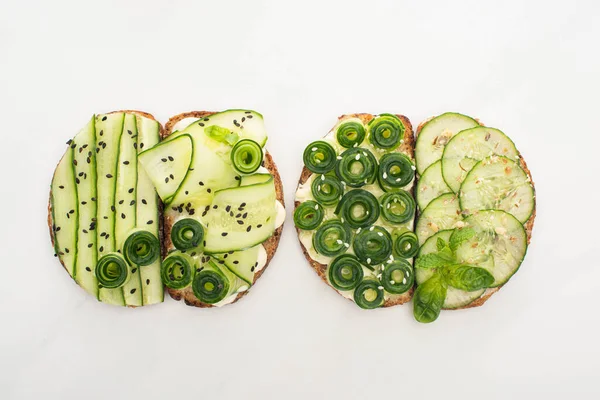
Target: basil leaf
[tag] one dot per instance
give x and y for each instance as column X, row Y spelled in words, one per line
column 434, row 260
column 222, row 135
column 459, row 236
column 429, row 299
column 468, row 277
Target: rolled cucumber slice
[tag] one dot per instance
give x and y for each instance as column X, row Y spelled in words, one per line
column 241, row 217
column 65, row 211
column 455, row 298
column 125, row 203
column 109, row 128
column 499, row 245
column 431, row 185
column 435, row 134
column 441, row 213
column 498, row 183
column 167, row 163
column 468, row 147
column 85, row 174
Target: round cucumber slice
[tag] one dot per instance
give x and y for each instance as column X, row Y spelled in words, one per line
column 499, row 245
column 431, row 185
column 468, row 147
column 455, row 298
column 442, row 213
column 435, row 134
column 498, row 183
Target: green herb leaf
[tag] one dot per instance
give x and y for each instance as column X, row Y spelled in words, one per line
column 222, row 135
column 434, row 260
column 441, row 244
column 467, row 277
column 459, row 236
column 429, row 299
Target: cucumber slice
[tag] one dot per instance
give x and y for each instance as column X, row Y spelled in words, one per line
column 242, row 263
column 431, row 185
column 125, row 196
column 455, row 298
column 147, row 212
column 109, row 128
column 167, row 163
column 499, row 245
column 468, row 147
column 441, row 213
column 213, row 283
column 498, row 183
column 65, row 211
column 85, row 171
column 241, row 217
column 255, row 178
column 435, row 134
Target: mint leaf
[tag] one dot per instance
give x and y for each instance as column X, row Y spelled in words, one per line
column 467, row 277
column 434, row 260
column 459, row 236
column 441, row 243
column 429, row 299
column 222, row 135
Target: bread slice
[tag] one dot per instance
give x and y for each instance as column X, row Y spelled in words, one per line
column 50, row 220
column 528, row 226
column 407, row 148
column 270, row 244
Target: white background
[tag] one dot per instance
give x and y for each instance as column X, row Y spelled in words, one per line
column 530, row 68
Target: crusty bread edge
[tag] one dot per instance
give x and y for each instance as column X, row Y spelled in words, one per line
column 160, row 205
column 407, row 147
column 528, row 226
column 270, row 245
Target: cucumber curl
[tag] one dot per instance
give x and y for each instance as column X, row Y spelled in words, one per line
column 397, row 207
column 373, row 246
column 177, row 270
column 397, row 277
column 112, row 271
column 368, row 294
column 358, row 208
column 345, row 272
column 406, row 244
column 386, row 131
column 332, row 238
column 246, row 156
column 187, row 233
column 350, row 134
column 141, row 248
column 210, row 286
column 357, row 167
column 395, row 171
column 327, row 190
column 308, row 215
column 319, row 157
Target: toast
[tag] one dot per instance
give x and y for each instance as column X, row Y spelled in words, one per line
column 528, row 226
column 270, row 245
column 407, row 147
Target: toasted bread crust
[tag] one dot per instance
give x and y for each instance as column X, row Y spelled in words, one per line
column 160, row 205
column 407, row 147
column 270, row 244
column 528, row 227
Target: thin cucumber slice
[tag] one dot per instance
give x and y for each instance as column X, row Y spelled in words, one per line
column 85, row 173
column 435, row 134
column 147, row 212
column 254, row 178
column 499, row 245
column 468, row 147
column 167, row 164
column 441, row 213
column 65, row 211
column 109, row 128
column 125, row 205
column 242, row 263
column 498, row 183
column 431, row 185
column 455, row 298
column 241, row 217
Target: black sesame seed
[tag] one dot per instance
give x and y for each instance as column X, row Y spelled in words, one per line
column 245, row 215
column 163, row 159
column 133, row 271
column 252, row 269
column 122, row 215
column 135, row 145
column 71, row 211
column 208, row 190
column 103, row 234
column 57, row 229
column 186, row 192
column 83, row 203
column 129, row 132
column 101, row 249
column 132, row 202
column 240, row 222
column 88, row 269
column 93, row 199
column 121, row 201
column 104, row 118
column 193, row 253
column 69, row 141
column 66, row 250
column 147, row 281
column 215, row 207
column 259, row 226
column 112, row 208
column 109, row 176
column 201, row 183
column 236, row 262
column 141, row 145
column 130, row 190
column 167, row 180
column 90, row 245
column 238, row 215
column 228, row 208
column 126, row 162
column 84, row 231
column 224, row 234
column 249, row 116
column 171, row 176
column 243, row 205
column 237, row 178
column 150, row 222
column 171, row 158
column 74, row 162
column 201, row 124
column 144, row 201
column 132, row 291
column 61, row 187
column 248, row 228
